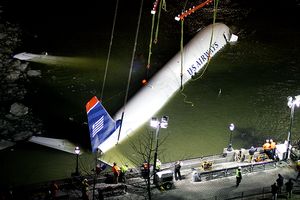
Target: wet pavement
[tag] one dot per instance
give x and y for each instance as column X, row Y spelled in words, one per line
column 255, row 184
column 225, row 188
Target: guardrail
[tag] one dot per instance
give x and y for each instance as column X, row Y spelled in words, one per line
column 231, row 171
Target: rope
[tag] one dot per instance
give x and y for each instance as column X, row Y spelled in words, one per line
column 181, row 69
column 181, row 56
column 109, row 50
column 211, row 38
column 131, row 66
column 181, row 50
column 150, row 45
column 161, row 4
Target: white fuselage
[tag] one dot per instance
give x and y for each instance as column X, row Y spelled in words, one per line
column 163, row 85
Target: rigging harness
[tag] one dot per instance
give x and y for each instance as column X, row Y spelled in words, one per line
column 181, row 17
column 160, row 5
column 131, row 66
column 132, row 60
column 109, row 50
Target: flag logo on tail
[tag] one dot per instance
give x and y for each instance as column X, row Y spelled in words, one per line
column 97, row 126
column 100, row 123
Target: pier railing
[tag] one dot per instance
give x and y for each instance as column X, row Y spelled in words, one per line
column 231, row 171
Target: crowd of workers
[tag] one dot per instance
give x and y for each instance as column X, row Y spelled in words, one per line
column 256, row 154
column 119, row 173
column 269, row 148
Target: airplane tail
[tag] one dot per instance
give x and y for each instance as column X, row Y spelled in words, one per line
column 100, row 123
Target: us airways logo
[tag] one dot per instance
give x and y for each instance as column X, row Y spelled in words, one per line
column 202, row 59
column 97, row 126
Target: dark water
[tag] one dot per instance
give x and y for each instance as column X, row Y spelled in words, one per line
column 255, row 77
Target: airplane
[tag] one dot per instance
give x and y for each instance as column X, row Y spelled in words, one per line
column 155, row 94
column 106, row 131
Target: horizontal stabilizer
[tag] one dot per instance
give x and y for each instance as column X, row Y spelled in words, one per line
column 27, row 56
column 60, row 144
column 5, row 144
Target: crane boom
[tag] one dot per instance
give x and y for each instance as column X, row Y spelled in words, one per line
column 191, row 10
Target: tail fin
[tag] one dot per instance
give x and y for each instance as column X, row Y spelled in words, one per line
column 101, row 125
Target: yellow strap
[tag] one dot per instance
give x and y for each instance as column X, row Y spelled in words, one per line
column 150, row 45
column 216, row 2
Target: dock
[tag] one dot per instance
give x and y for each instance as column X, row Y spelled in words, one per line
column 219, row 182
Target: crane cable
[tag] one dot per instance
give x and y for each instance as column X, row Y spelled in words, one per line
column 181, row 69
column 131, row 66
column 150, row 45
column 162, row 5
column 181, row 60
column 181, row 50
column 109, row 50
column 216, row 2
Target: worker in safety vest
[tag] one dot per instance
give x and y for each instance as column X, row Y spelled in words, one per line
column 124, row 169
column 116, row 171
column 238, row 176
column 158, row 165
column 273, row 148
column 267, row 148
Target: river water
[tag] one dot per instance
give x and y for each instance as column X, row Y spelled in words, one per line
column 246, row 84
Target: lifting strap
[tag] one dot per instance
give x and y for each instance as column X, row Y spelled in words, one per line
column 131, row 66
column 150, row 45
column 181, row 69
column 216, row 2
column 109, row 50
column 181, row 46
column 162, row 5
column 182, row 62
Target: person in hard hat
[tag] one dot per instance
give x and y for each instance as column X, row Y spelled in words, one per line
column 116, row 172
column 267, row 148
column 158, row 165
column 272, row 149
column 124, row 169
column 252, row 150
column 146, row 165
column 238, row 176
column 145, row 169
column 177, row 173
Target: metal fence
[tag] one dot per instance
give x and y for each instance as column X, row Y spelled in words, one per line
column 227, row 172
